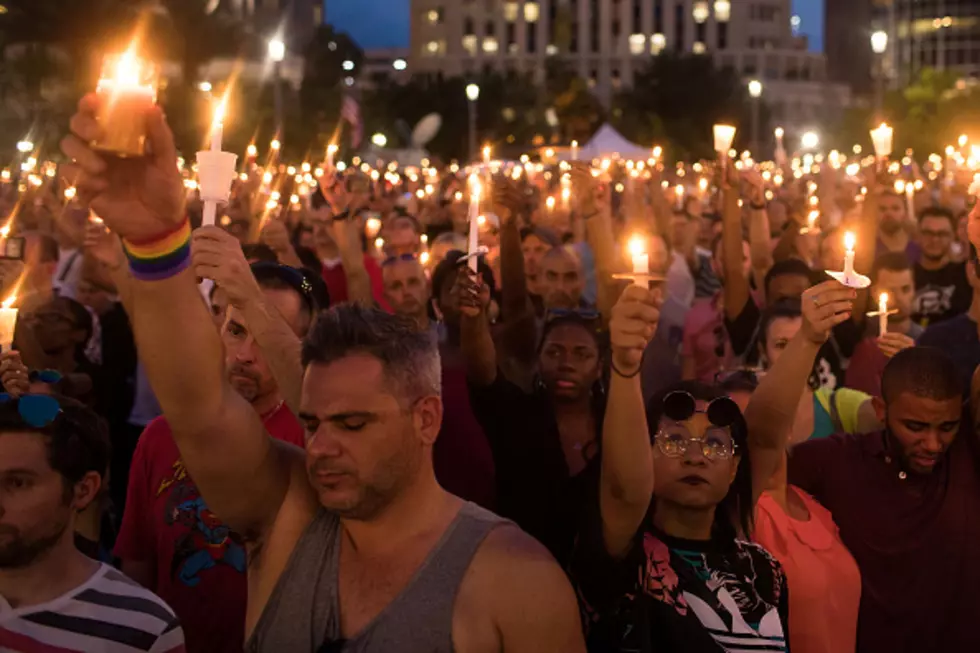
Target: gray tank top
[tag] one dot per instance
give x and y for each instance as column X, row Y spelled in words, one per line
column 303, row 613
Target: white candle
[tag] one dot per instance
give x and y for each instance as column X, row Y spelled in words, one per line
column 849, row 243
column 679, row 192
column 550, row 204
column 883, row 313
column 8, row 320
column 574, row 150
column 486, row 156
column 910, row 198
column 474, row 239
column 331, row 151
column 882, row 139
column 217, row 127
column 640, row 259
column 724, row 135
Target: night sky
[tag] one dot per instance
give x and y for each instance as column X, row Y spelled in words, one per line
column 384, row 23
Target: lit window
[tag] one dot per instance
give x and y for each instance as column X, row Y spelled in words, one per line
column 469, row 44
column 433, row 16
column 551, row 50
column 698, row 48
column 657, row 43
column 490, row 44
column 700, row 11
column 513, row 48
column 435, row 47
column 723, row 11
column 531, row 12
column 510, row 12
column 638, row 43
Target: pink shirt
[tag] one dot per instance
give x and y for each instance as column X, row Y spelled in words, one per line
column 704, row 337
column 824, row 581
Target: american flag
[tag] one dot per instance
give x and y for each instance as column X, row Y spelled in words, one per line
column 350, row 111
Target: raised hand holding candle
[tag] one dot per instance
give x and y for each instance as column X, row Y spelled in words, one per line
column 127, row 88
column 215, row 169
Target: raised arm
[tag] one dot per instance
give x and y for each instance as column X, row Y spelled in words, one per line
column 242, row 475
column 626, row 484
column 217, row 255
column 597, row 214
column 867, row 237
column 760, row 239
column 772, row 409
column 736, row 288
column 476, row 343
column 509, row 200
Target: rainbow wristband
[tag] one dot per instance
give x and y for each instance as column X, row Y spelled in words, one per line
column 161, row 258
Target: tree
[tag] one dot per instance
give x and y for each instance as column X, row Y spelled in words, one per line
column 677, row 98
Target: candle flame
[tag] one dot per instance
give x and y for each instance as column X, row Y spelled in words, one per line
column 424, row 258
column 475, row 188
column 550, row 203
column 379, row 243
column 849, row 241
column 275, row 145
column 219, row 112
column 127, row 70
column 883, row 301
column 636, row 246
column 251, row 150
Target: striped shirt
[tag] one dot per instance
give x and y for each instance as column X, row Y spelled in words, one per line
column 109, row 613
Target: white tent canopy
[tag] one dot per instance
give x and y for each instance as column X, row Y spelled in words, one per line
column 608, row 143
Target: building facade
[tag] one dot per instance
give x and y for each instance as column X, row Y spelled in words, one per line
column 847, row 39
column 607, row 41
column 941, row 34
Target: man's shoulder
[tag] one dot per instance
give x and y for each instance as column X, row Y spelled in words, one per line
column 838, row 444
column 935, row 334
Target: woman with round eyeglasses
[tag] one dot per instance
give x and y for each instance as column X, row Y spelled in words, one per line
column 663, row 562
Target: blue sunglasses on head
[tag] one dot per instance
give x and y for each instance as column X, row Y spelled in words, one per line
column 36, row 410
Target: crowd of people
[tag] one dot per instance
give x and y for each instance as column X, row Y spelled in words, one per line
column 336, row 426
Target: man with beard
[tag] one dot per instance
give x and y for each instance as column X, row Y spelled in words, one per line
column 941, row 289
column 53, row 456
column 170, row 540
column 893, row 227
column 360, row 515
column 407, row 290
column 561, row 280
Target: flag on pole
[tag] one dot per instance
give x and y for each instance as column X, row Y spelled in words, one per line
column 350, row 111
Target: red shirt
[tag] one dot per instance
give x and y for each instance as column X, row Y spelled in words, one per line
column 199, row 563
column 336, row 280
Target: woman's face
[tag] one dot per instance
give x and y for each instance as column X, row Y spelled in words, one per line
column 780, row 332
column 690, row 479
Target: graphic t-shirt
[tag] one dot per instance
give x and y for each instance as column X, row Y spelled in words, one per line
column 108, row 613
column 199, row 562
column 940, row 294
column 670, row 594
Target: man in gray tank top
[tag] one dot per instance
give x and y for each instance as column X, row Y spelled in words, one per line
column 353, row 546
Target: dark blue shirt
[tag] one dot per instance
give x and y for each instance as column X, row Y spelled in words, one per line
column 958, row 338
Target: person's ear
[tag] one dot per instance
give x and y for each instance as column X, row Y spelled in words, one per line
column 881, row 410
column 86, row 491
column 427, row 416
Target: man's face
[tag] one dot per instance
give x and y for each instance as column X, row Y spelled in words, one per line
column 247, row 370
column 406, row 288
column 55, row 328
column 534, row 250
column 364, row 444
column 778, row 336
column 786, row 286
column 35, row 509
column 93, row 297
column 891, row 214
column 936, row 235
column 922, row 428
column 569, row 363
column 322, row 222
column 900, row 287
column 562, row 281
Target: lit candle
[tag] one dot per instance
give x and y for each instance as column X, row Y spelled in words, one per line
column 640, row 259
column 574, row 150
column 679, row 194
column 128, row 89
column 251, row 151
column 486, row 155
column 724, row 135
column 910, row 198
column 424, row 258
column 849, row 243
column 882, row 140
column 8, row 321
column 474, row 236
column 883, row 313
column 373, row 226
column 331, row 152
column 218, row 127
column 550, row 204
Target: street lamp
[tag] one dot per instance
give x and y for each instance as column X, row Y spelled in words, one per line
column 879, row 44
column 277, row 54
column 472, row 94
column 755, row 91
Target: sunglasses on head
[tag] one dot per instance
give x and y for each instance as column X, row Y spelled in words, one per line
column 401, row 258
column 36, row 410
column 681, row 406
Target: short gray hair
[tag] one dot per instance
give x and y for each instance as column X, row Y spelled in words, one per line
column 409, row 357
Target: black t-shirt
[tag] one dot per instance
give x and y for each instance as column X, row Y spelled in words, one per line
column 535, row 488
column 831, row 362
column 940, row 294
column 670, row 594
